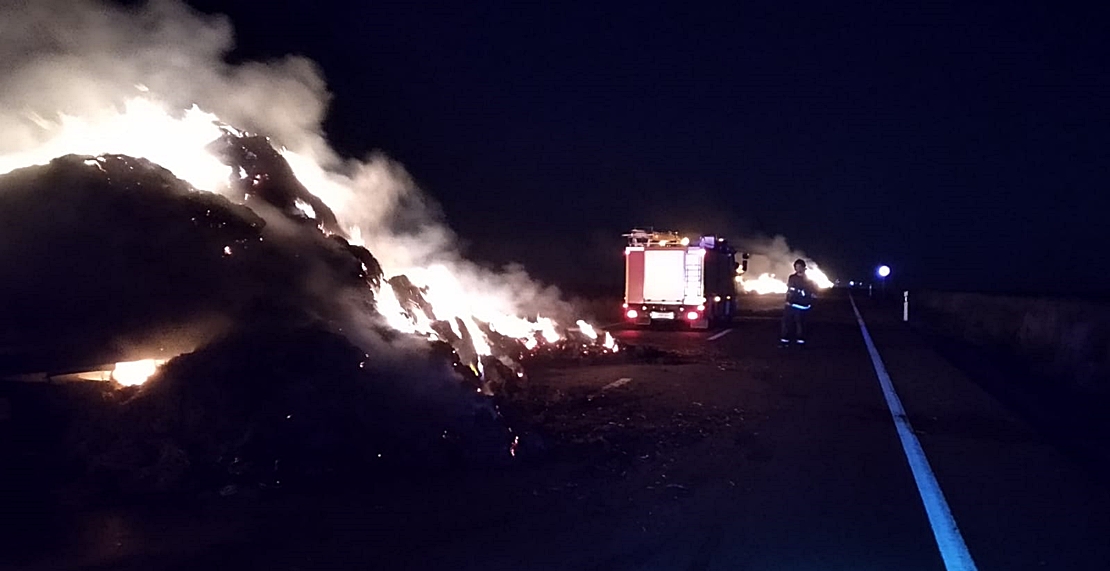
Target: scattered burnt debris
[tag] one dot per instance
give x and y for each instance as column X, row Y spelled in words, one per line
column 265, row 409
column 571, row 353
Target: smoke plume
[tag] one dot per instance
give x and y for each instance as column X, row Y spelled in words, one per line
column 772, row 256
column 88, row 59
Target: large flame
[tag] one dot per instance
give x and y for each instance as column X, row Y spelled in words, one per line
column 142, row 129
column 178, row 141
column 768, row 283
column 133, row 373
column 451, row 303
column 764, row 284
column 818, row 277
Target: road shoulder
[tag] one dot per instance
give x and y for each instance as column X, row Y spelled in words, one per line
column 1020, row 502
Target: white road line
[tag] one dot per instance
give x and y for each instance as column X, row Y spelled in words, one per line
column 617, row 383
column 721, row 334
column 953, row 550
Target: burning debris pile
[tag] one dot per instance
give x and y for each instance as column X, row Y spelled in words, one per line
column 143, row 226
column 144, row 250
column 116, row 250
column 278, row 393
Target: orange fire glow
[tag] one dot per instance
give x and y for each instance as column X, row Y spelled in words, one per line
column 178, row 141
column 131, row 373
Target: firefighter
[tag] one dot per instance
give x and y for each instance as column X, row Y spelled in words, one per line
column 800, row 294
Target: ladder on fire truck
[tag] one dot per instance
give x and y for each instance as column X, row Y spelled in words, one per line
column 640, row 238
column 695, row 287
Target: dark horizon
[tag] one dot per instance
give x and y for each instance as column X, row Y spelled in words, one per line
column 958, row 144
column 344, row 285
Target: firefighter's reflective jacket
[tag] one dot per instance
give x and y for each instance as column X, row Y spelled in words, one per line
column 800, row 292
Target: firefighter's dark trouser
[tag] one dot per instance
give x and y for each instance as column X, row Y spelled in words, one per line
column 792, row 324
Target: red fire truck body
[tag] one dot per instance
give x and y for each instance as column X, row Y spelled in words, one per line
column 669, row 278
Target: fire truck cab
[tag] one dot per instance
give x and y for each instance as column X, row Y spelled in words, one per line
column 671, row 278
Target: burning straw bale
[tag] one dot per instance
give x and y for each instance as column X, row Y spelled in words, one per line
column 112, row 243
column 411, row 298
column 288, row 408
column 263, row 174
column 114, row 250
column 369, row 268
column 114, row 247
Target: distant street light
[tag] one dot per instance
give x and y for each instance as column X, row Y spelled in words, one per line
column 883, row 271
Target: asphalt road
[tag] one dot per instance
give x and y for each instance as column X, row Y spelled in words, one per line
column 724, row 453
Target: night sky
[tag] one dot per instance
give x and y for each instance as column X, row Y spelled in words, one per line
column 964, row 145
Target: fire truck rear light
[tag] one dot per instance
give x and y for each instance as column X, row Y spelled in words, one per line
column 701, row 308
column 692, row 316
column 632, row 314
column 624, row 305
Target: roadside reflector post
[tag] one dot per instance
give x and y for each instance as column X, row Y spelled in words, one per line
column 906, row 306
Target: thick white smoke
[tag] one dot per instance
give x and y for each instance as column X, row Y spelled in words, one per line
column 85, row 58
column 772, row 256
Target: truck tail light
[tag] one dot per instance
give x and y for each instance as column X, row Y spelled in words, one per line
column 632, row 314
column 692, row 316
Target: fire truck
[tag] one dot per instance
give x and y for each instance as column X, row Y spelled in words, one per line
column 671, row 278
